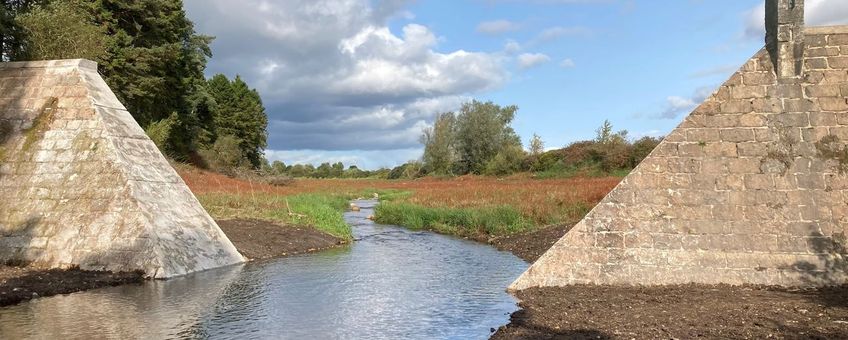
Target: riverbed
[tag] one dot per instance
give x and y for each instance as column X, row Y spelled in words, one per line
column 390, row 283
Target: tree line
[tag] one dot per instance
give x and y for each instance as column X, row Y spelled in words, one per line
column 153, row 59
column 479, row 139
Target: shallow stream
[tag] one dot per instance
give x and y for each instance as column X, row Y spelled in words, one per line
column 392, row 283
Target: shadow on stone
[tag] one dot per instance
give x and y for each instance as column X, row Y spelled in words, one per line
column 21, row 280
column 830, row 271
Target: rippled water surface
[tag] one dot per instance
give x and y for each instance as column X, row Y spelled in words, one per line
column 390, row 284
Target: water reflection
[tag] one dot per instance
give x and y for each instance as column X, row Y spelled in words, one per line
column 392, row 283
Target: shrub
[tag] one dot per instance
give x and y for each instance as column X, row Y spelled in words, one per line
column 507, row 161
column 225, row 156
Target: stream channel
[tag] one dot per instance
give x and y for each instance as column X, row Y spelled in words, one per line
column 391, row 283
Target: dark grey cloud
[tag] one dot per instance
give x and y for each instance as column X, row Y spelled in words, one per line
column 334, row 77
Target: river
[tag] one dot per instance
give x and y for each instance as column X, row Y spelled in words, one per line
column 391, row 283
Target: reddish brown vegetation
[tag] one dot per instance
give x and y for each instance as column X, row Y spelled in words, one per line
column 541, row 200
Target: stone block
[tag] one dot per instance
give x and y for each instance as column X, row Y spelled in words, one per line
column 757, row 197
column 834, row 104
column 69, row 181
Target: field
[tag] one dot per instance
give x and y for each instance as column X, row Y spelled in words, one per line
column 465, row 205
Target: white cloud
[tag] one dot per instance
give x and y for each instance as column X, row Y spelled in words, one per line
column 333, row 75
column 567, row 63
column 818, row 13
column 364, row 159
column 530, row 60
column 553, row 33
column 512, row 47
column 497, row 27
column 721, row 70
column 676, row 105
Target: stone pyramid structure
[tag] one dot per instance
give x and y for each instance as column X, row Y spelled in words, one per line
column 751, row 188
column 81, row 185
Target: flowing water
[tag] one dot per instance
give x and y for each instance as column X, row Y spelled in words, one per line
column 391, row 283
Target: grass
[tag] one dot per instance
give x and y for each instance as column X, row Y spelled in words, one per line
column 322, row 211
column 498, row 220
column 464, row 206
column 587, row 170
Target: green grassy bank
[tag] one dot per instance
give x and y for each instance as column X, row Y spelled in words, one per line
column 466, row 222
column 322, row 211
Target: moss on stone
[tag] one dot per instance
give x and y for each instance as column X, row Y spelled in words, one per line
column 5, row 137
column 830, row 148
column 40, row 124
column 84, row 142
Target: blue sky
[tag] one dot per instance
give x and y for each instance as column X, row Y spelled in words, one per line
column 357, row 80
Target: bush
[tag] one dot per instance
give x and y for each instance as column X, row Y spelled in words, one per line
column 509, row 160
column 494, row 221
column 162, row 131
column 225, row 156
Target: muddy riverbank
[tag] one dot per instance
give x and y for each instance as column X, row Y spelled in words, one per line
column 681, row 312
column 258, row 239
column 255, row 239
column 678, row 312
column 18, row 284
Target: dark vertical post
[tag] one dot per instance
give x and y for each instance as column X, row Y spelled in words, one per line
column 785, row 37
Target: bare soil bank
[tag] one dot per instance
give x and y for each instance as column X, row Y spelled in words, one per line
column 682, row 312
column 531, row 245
column 258, row 239
column 255, row 239
column 18, row 284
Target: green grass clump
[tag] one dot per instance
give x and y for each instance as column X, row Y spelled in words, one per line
column 560, row 171
column 493, row 221
column 321, row 211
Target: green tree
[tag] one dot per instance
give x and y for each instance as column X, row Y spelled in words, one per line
column 482, row 129
column 238, row 111
column 13, row 37
column 323, row 171
column 509, row 160
column 439, row 145
column 62, row 30
column 537, row 146
column 155, row 59
column 225, row 155
column 337, row 170
column 642, row 148
column 278, row 168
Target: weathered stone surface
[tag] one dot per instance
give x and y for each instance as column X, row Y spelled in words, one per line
column 764, row 202
column 82, row 185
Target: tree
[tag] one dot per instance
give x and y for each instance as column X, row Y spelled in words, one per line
column 323, row 171
column 482, row 129
column 537, row 146
column 337, row 170
column 155, row 58
column 439, row 148
column 13, row 37
column 62, row 30
column 642, row 148
column 238, row 111
column 225, row 155
column 509, row 160
column 278, row 168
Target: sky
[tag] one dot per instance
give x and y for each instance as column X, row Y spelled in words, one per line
column 357, row 81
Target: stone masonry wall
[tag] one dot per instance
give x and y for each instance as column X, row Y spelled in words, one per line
column 752, row 188
column 82, row 185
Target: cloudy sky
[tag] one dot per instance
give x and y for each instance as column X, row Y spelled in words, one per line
column 357, row 80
